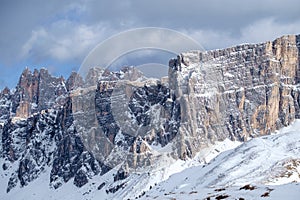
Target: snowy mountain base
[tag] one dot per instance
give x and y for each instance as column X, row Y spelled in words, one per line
column 265, row 167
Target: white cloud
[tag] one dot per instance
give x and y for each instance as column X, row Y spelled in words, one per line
column 211, row 39
column 68, row 38
column 260, row 31
column 268, row 29
column 64, row 40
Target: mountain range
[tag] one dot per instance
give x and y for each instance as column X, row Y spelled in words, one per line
column 224, row 120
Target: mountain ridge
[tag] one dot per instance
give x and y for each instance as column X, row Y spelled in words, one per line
column 238, row 93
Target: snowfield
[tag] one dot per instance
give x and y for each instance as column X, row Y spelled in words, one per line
column 264, row 167
column 267, row 167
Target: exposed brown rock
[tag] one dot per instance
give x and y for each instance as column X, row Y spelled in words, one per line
column 37, row 91
column 238, row 92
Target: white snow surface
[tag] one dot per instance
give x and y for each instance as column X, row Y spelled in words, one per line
column 271, row 164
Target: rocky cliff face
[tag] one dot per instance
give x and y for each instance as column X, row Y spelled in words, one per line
column 38, row 135
column 37, row 91
column 49, row 125
column 239, row 92
column 123, row 114
column 5, row 101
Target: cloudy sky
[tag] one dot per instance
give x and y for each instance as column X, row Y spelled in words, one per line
column 59, row 34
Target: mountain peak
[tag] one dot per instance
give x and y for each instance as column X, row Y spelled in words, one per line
column 5, row 91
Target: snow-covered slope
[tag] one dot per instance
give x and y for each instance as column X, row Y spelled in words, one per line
column 133, row 186
column 265, row 167
column 259, row 166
